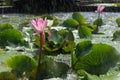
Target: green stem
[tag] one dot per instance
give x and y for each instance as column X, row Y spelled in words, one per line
column 40, row 54
column 98, row 15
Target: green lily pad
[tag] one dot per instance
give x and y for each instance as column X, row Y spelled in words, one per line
column 116, row 35
column 79, row 17
column 97, row 60
column 10, row 35
column 98, row 22
column 21, row 63
column 5, row 26
column 49, row 70
column 118, row 22
column 84, row 32
column 47, row 16
column 71, row 23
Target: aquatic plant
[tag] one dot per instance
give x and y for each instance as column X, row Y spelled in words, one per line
column 116, row 35
column 78, row 21
column 61, row 41
column 98, row 22
column 21, row 63
column 10, row 36
column 118, row 22
column 100, row 9
column 94, row 58
column 40, row 25
column 7, row 76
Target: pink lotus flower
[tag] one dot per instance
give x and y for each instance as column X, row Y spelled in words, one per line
column 39, row 25
column 100, row 8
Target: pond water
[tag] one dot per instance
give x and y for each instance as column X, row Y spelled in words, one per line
column 108, row 28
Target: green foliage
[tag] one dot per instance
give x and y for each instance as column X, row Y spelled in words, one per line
column 94, row 28
column 84, row 32
column 56, row 37
column 21, row 63
column 116, row 35
column 71, row 23
column 7, row 76
column 98, row 22
column 118, row 22
column 78, row 22
column 59, row 42
column 5, row 26
column 69, row 46
column 49, row 70
column 98, row 60
column 79, row 17
column 56, row 21
column 55, row 42
column 4, row 55
column 82, row 48
column 111, row 75
column 10, row 36
column 117, row 4
column 47, row 16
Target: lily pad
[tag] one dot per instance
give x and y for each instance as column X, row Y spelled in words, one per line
column 98, row 22
column 79, row 17
column 71, row 23
column 49, row 70
column 97, row 60
column 5, row 26
column 10, row 35
column 84, row 32
column 21, row 63
column 116, row 35
column 118, row 22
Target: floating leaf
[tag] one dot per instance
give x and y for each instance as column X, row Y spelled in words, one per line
column 10, row 35
column 116, row 35
column 79, row 17
column 21, row 63
column 55, row 37
column 99, row 59
column 69, row 46
column 55, row 43
column 98, row 22
column 84, row 32
column 108, row 76
column 5, row 26
column 56, row 21
column 47, row 16
column 118, row 22
column 71, row 23
column 49, row 70
column 94, row 28
column 82, row 48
